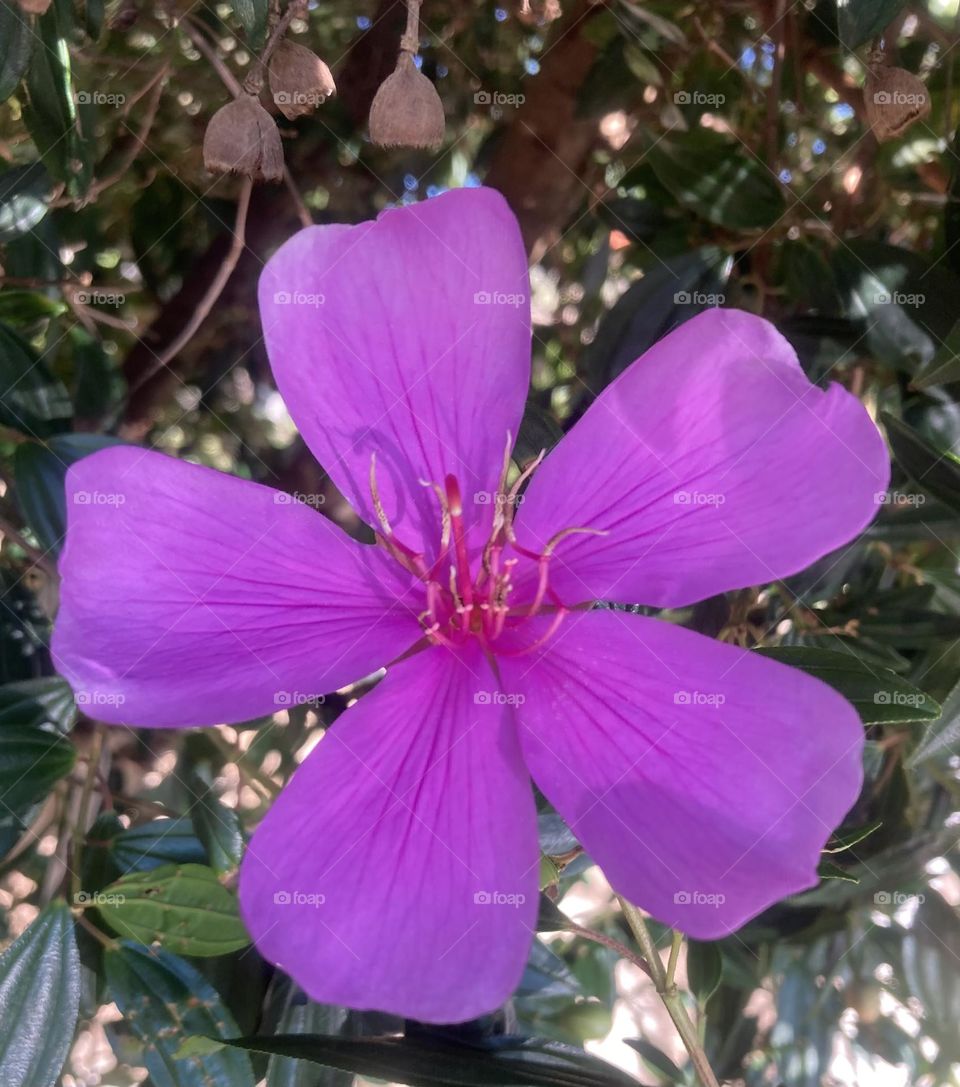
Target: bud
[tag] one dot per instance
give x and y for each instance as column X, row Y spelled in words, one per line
column 407, row 111
column 34, row 7
column 893, row 99
column 242, row 138
column 299, row 80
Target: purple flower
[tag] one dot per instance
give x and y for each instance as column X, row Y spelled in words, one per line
column 398, row 869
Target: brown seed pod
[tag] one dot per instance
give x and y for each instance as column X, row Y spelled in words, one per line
column 299, row 80
column 242, row 138
column 407, row 111
column 893, row 99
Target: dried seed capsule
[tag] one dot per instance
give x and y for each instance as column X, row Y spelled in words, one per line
column 893, row 99
column 407, row 111
column 299, row 80
column 242, row 138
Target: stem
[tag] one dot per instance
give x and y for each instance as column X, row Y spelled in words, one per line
column 254, row 81
column 410, row 42
column 674, row 955
column 80, row 826
column 669, row 993
column 100, row 937
column 239, row 759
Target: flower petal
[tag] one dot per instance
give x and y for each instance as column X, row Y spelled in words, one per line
column 398, row 869
column 712, row 463
column 407, row 338
column 190, row 597
column 702, row 778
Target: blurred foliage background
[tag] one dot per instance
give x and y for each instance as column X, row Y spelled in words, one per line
column 796, row 159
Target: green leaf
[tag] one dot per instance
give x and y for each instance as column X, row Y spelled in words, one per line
column 32, row 400
column 253, row 16
column 24, row 192
column 40, row 997
column 16, row 45
column 159, row 842
column 436, row 1062
column 860, row 20
column 183, row 907
column 27, row 307
column 717, row 180
column 660, row 1064
column 216, row 825
column 931, row 951
column 51, row 114
column 164, row 1000
column 40, row 471
column 34, row 702
column 32, row 760
column 298, row 1014
column 879, row 695
column 945, row 366
column 943, row 735
column 704, row 969
column 936, row 471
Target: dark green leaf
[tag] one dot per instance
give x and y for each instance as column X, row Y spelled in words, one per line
column 216, row 825
column 860, row 20
column 717, row 180
column 253, row 16
column 429, row 1062
column 937, row 471
column 657, row 1060
column 704, row 969
column 40, row 998
column 945, row 366
column 32, row 400
column 931, row 951
column 33, row 702
column 298, row 1014
column 51, row 114
column 16, row 45
column 878, row 694
column 40, row 472
column 28, row 307
column 163, row 1001
column 162, row 841
column 183, row 907
column 943, row 735
column 24, row 192
column 32, row 760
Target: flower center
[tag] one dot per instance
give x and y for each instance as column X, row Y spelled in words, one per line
column 464, row 604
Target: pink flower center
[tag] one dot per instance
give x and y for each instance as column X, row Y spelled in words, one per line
column 464, row 603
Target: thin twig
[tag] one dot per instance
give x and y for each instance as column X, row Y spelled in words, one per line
column 40, row 558
column 213, row 292
column 669, row 994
